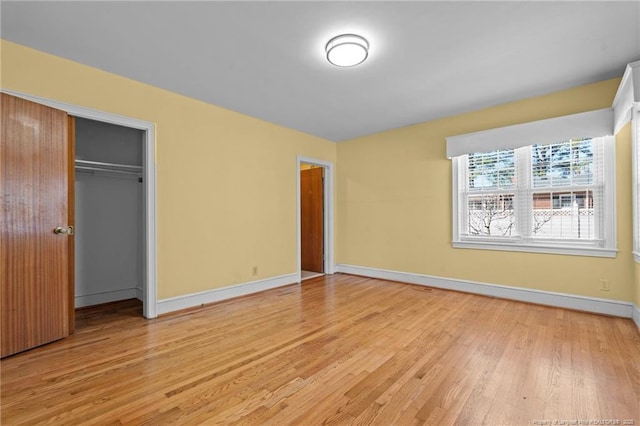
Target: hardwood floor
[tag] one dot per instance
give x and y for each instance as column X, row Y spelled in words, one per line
column 335, row 350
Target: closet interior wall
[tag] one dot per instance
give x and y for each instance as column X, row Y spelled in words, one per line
column 109, row 213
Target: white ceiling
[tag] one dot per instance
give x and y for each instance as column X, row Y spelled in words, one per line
column 266, row 59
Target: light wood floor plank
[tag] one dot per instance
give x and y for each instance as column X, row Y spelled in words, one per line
column 335, row 350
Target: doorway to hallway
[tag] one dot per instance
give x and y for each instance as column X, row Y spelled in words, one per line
column 315, row 218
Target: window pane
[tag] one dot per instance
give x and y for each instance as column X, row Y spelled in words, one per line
column 562, row 164
column 491, row 214
column 563, row 215
column 491, row 170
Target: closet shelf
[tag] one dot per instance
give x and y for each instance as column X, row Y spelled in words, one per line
column 107, row 167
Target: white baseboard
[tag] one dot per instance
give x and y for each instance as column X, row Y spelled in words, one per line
column 106, row 297
column 198, row 299
column 561, row 300
column 636, row 315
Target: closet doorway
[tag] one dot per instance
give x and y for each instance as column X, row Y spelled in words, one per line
column 109, row 213
column 149, row 262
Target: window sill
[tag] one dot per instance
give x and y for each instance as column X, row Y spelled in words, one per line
column 538, row 248
column 636, row 256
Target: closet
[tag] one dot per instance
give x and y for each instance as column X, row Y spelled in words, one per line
column 109, row 213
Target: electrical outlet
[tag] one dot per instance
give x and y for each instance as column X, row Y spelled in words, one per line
column 604, row 285
column 254, row 270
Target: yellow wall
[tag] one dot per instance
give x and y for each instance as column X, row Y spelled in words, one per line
column 305, row 166
column 637, row 283
column 624, row 203
column 226, row 182
column 637, row 301
column 226, row 187
column 394, row 204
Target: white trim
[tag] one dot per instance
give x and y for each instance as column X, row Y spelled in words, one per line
column 635, row 178
column 106, row 297
column 561, row 300
column 586, row 124
column 628, row 93
column 455, row 196
column 209, row 296
column 150, row 267
column 329, row 263
column 636, row 315
column 610, row 210
column 535, row 248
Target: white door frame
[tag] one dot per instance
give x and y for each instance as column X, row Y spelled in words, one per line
column 150, row 286
column 329, row 264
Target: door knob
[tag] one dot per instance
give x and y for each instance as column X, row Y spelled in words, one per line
column 63, row 230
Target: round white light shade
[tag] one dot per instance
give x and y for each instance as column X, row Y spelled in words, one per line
column 347, row 50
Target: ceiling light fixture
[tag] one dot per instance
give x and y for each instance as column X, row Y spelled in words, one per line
column 347, row 50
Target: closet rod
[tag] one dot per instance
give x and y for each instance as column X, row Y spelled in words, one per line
column 98, row 165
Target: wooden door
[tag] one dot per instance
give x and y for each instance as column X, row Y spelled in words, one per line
column 312, row 219
column 34, row 261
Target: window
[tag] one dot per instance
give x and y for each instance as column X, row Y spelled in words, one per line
column 564, row 188
column 489, row 194
column 555, row 197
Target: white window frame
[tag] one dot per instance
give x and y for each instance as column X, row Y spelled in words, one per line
column 605, row 247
